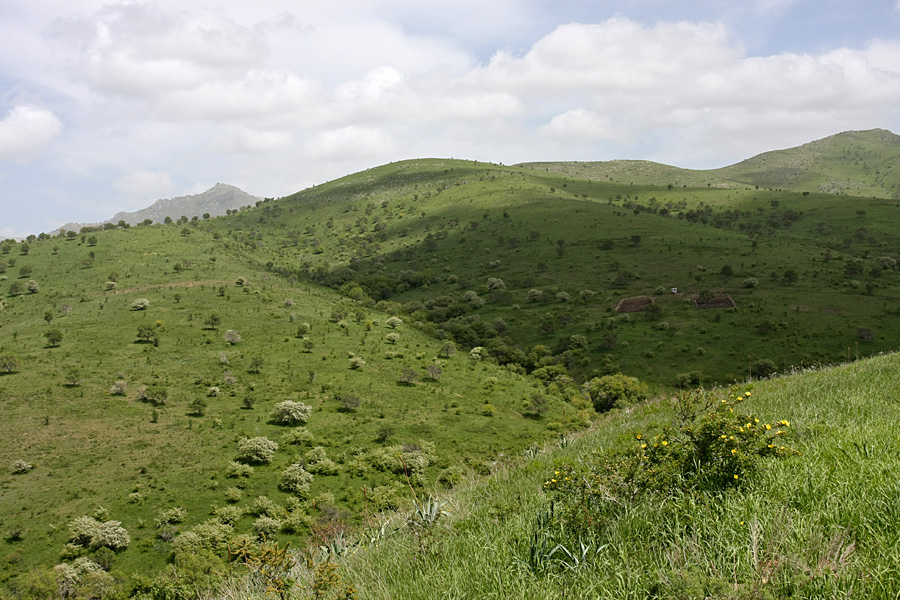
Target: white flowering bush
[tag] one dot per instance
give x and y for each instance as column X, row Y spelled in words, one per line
column 259, row 450
column 290, row 413
column 296, row 480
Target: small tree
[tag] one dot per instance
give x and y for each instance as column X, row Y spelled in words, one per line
column 140, row 304
column 290, row 413
column 15, row 288
column 612, row 391
column 393, row 322
column 54, row 337
column 212, row 321
column 145, row 333
column 9, row 363
column 155, row 393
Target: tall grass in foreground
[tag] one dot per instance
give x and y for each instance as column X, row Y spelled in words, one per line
column 821, row 524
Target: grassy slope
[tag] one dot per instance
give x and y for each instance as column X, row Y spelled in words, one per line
column 454, row 224
column 92, row 449
column 822, row 524
column 857, row 163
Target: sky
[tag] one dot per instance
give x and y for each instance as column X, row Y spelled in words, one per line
column 109, row 106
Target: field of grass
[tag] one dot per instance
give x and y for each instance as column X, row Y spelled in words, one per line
column 821, row 523
column 92, row 447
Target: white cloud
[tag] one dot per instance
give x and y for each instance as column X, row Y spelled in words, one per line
column 581, row 125
column 351, row 143
column 26, row 131
column 243, row 139
column 146, row 184
column 140, row 50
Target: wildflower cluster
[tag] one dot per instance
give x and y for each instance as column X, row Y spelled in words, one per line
column 710, row 446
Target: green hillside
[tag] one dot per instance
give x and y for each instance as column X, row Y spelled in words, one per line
column 854, row 163
column 133, row 412
column 532, row 266
column 820, row 522
column 404, row 329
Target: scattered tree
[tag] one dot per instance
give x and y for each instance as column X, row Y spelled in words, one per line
column 54, row 337
column 9, row 363
column 145, row 333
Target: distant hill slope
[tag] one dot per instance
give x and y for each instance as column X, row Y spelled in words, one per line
column 859, row 163
column 216, row 201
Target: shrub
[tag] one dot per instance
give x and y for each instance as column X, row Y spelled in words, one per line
column 763, row 368
column 299, row 436
column 119, row 388
column 20, row 467
column 614, row 391
column 710, row 446
column 236, row 469
column 91, row 533
column 232, row 337
column 111, row 285
column 155, row 393
column 357, row 363
column 32, row 286
column 296, row 480
column 140, row 304
column 394, row 322
column 392, row 338
column 290, row 413
column 317, row 462
column 263, row 506
column 266, row 527
column 751, row 282
column 256, row 450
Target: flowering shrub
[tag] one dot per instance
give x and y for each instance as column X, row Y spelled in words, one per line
column 258, row 450
column 711, row 446
column 290, row 413
column 296, row 480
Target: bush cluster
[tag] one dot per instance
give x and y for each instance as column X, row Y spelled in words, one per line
column 710, row 447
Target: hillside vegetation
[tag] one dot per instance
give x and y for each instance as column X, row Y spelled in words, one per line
column 172, row 393
column 819, row 522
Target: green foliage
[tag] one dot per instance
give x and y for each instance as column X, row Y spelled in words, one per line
column 91, row 533
column 9, row 362
column 614, row 391
column 289, row 412
column 54, row 337
column 256, row 450
column 296, row 480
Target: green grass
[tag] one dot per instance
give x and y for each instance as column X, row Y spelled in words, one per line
column 820, row 524
column 93, row 449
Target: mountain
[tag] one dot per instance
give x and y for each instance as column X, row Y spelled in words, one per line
column 216, row 201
